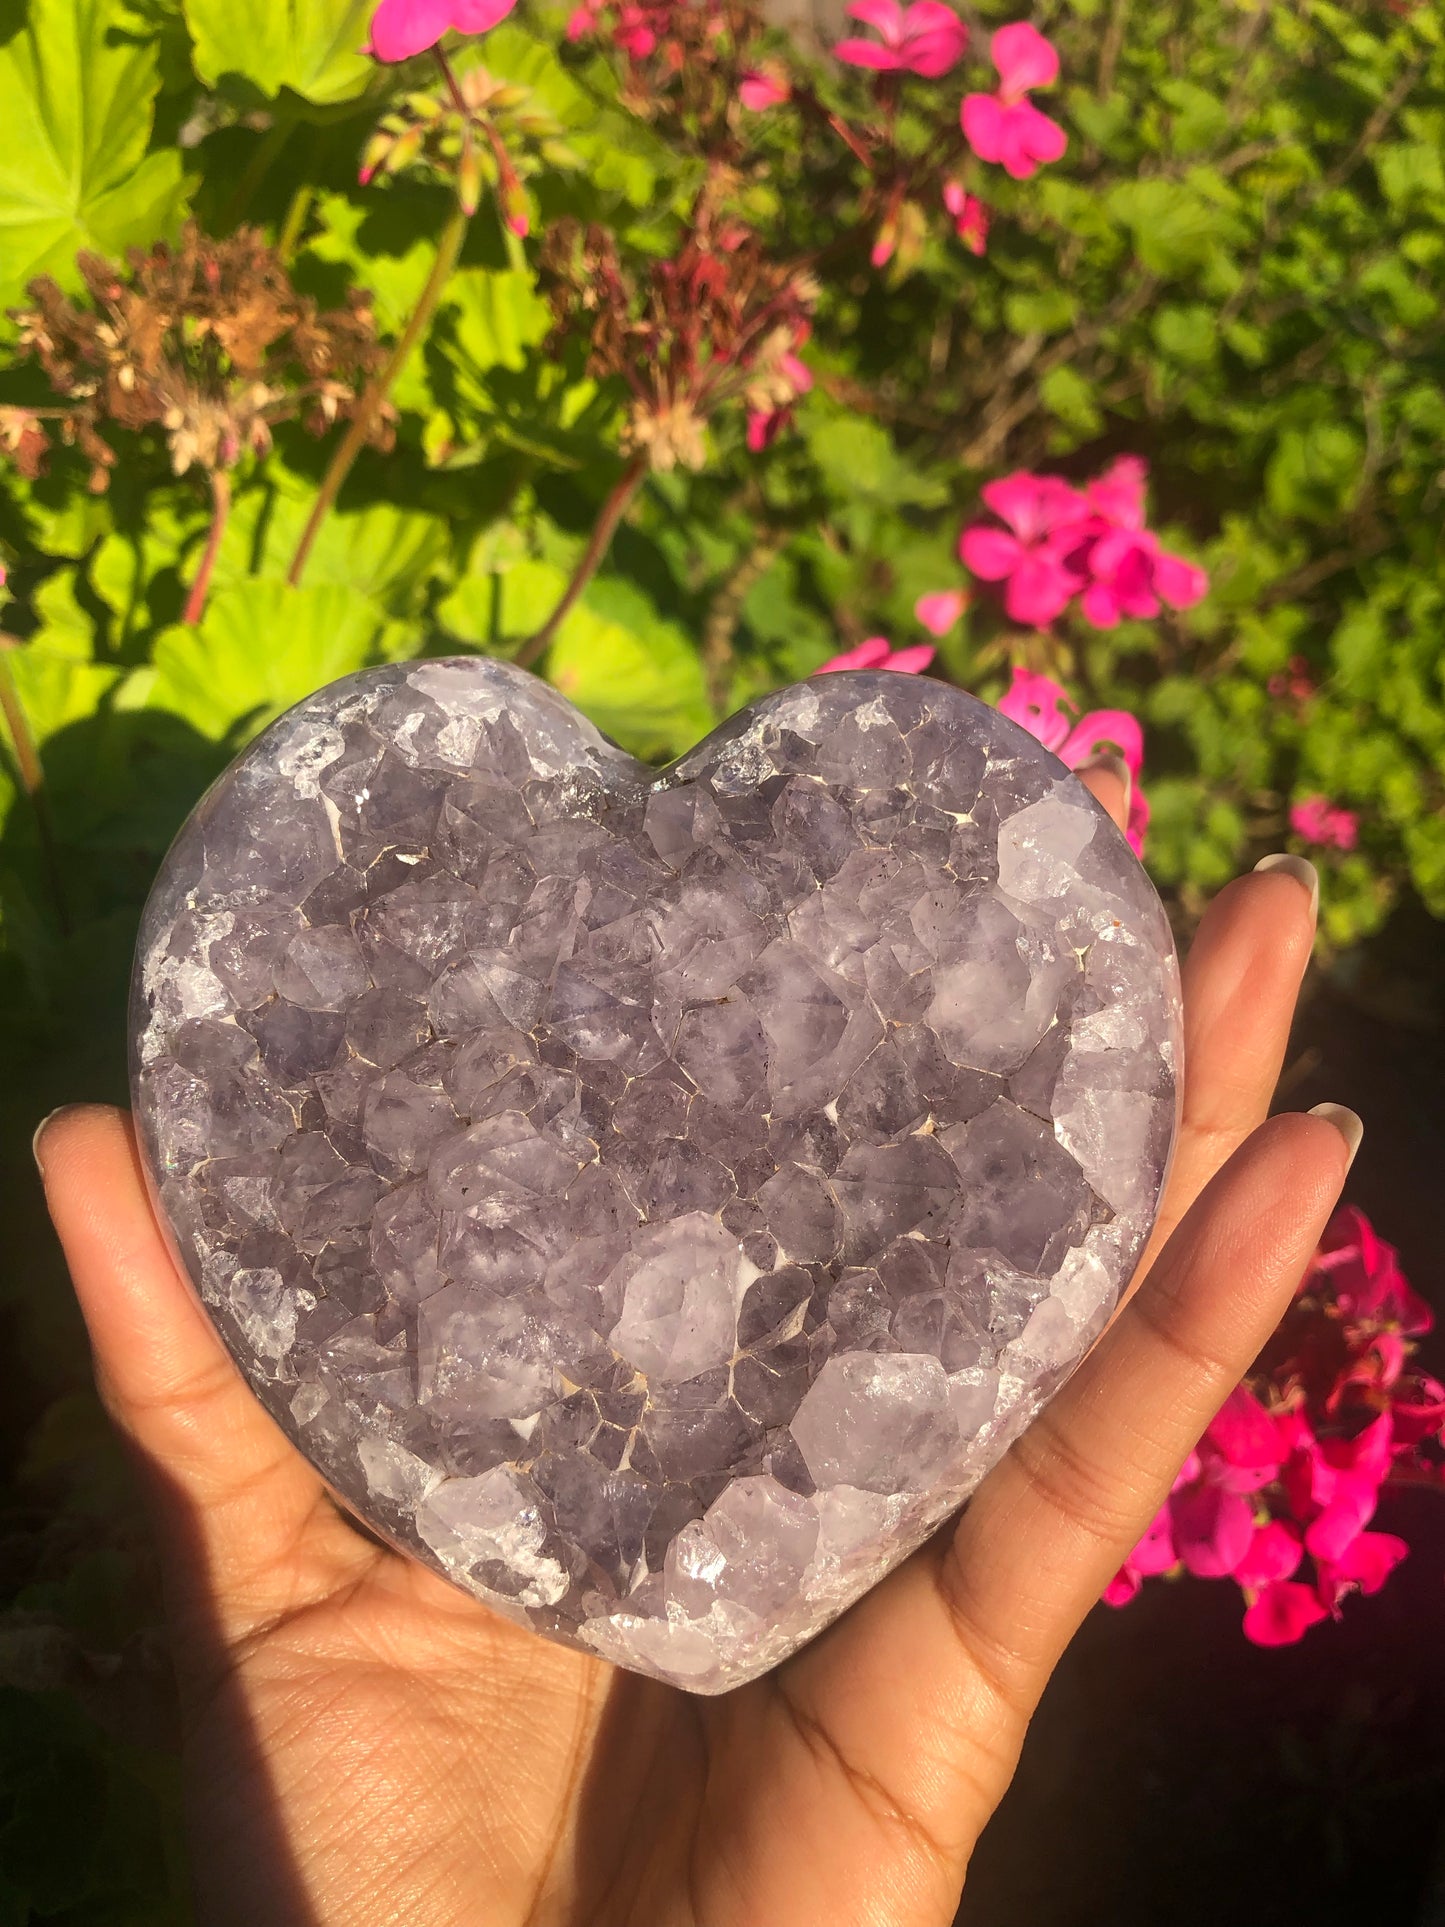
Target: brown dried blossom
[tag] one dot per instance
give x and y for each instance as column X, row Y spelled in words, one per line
column 208, row 341
column 711, row 324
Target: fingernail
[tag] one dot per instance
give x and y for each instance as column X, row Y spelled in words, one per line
column 1349, row 1125
column 1113, row 764
column 1300, row 868
column 41, row 1128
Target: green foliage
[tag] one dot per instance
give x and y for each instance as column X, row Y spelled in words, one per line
column 77, row 103
column 260, row 47
column 1235, row 272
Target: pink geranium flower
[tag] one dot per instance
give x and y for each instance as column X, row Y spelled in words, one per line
column 1006, row 126
column 758, row 90
column 1309, row 1446
column 970, row 216
column 1321, row 822
column 1039, row 705
column 766, row 424
column 926, row 38
column 1282, row 1614
column 1033, row 554
column 878, row 653
column 401, row 28
column 939, row 611
column 1130, row 574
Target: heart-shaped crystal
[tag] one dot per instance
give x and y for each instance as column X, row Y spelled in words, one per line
column 654, row 1200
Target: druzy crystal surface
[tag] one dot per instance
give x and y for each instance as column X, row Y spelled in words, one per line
column 654, row 1200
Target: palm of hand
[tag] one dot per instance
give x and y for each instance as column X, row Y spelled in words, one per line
column 365, row 1744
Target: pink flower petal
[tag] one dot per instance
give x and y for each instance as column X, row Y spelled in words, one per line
column 1274, row 1553
column 1101, row 606
column 1029, row 140
column 939, row 611
column 1155, row 1552
column 1118, row 494
column 1329, row 1537
column 1213, row 1529
column 1038, row 704
column 1023, row 58
column 934, row 39
column 870, row 654
column 885, row 17
column 1038, row 590
column 1243, row 1443
column 989, row 553
column 982, row 118
column 478, row 16
column 1369, row 1561
column 911, row 661
column 758, row 92
column 401, row 28
column 1282, row 1614
column 1034, row 505
column 1123, row 1587
column 1181, row 584
column 868, row 53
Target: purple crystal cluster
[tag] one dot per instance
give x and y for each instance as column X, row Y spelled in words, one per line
column 654, row 1200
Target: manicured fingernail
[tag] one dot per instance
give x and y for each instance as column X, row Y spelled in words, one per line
column 1301, row 869
column 1112, row 764
column 1350, row 1126
column 41, row 1128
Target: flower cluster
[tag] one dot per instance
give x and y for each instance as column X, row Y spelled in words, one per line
column 1279, row 1494
column 207, row 341
column 712, row 323
column 928, row 39
column 1324, row 824
column 1058, row 542
column 1043, row 708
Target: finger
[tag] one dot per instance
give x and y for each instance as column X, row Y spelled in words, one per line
column 925, row 1688
column 1053, row 1524
column 1241, row 983
column 240, row 1509
column 1107, row 780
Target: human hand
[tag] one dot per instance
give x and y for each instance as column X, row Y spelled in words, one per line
column 365, row 1744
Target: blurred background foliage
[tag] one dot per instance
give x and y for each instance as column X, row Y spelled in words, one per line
column 1236, row 272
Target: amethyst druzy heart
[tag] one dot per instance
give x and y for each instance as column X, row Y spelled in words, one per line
column 654, row 1200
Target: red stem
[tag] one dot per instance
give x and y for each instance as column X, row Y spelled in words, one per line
column 220, row 514
column 613, row 510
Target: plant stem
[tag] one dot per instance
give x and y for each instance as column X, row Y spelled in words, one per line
column 256, row 170
column 362, row 422
column 296, row 216
column 613, row 510
column 32, row 778
column 220, row 513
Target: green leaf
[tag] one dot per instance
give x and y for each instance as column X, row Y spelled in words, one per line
column 1072, row 399
column 1045, row 311
column 1313, row 471
column 77, row 102
column 311, row 46
column 1188, row 333
column 1173, row 227
column 259, row 649
column 636, row 675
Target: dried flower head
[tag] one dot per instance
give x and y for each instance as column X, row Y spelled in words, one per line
column 713, row 323
column 207, row 341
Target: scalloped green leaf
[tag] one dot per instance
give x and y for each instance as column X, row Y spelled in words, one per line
column 77, row 105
